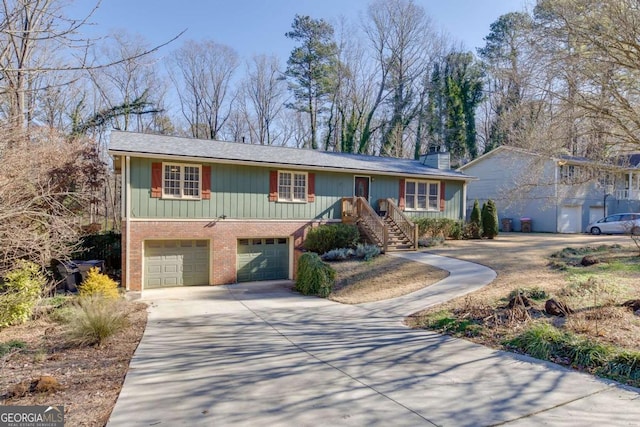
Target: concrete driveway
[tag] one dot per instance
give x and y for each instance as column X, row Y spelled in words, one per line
column 260, row 355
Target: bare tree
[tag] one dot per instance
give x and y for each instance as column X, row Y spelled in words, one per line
column 202, row 73
column 46, row 184
column 595, row 42
column 264, row 98
column 401, row 34
column 30, row 32
column 133, row 79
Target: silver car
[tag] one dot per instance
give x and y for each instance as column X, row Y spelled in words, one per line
column 622, row 223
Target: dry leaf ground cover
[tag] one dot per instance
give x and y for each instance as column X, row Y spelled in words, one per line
column 380, row 278
column 546, row 266
column 38, row 366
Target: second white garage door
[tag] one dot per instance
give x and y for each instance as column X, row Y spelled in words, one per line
column 176, row 263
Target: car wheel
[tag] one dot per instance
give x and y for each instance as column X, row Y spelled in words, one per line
column 595, row 231
column 635, row 231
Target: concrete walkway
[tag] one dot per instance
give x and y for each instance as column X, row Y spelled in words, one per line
column 260, row 355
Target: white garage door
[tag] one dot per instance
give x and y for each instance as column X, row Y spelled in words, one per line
column 570, row 220
column 595, row 213
column 176, row 263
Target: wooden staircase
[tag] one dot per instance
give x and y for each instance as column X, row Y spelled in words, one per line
column 397, row 240
column 392, row 232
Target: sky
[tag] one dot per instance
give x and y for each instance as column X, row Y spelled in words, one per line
column 253, row 27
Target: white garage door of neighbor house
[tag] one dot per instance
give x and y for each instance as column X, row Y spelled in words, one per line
column 176, row 263
column 570, row 219
column 595, row 213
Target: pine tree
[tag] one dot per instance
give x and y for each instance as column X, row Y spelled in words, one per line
column 489, row 220
column 475, row 221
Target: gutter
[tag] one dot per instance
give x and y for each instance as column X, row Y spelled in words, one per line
column 128, row 154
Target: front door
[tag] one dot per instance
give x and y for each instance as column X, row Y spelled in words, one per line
column 361, row 187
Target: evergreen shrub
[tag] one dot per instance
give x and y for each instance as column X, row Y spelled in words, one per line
column 475, row 222
column 489, row 220
column 314, row 276
column 331, row 236
column 97, row 284
column 20, row 293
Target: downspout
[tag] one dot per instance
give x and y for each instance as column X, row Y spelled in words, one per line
column 463, row 214
column 126, row 209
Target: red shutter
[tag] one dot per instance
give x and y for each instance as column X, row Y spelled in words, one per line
column 311, row 187
column 206, row 182
column 401, row 203
column 273, row 186
column 441, row 196
column 156, row 179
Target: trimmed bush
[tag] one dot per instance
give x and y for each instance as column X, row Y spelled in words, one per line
column 95, row 319
column 331, row 236
column 438, row 227
column 314, row 276
column 20, row 293
column 489, row 220
column 475, row 222
column 97, row 284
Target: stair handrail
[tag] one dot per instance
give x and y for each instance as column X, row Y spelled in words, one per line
column 369, row 216
column 406, row 226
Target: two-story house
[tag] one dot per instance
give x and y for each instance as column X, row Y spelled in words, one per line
column 557, row 194
column 198, row 212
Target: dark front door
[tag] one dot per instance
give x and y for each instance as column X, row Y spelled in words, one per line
column 362, row 187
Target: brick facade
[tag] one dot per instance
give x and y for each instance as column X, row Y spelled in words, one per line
column 222, row 236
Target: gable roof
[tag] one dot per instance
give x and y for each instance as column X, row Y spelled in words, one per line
column 189, row 149
column 632, row 159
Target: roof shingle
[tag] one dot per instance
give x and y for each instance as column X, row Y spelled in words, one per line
column 141, row 145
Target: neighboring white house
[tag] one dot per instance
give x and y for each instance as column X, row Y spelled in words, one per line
column 558, row 194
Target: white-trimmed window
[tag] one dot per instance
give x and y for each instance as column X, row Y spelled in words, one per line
column 292, row 186
column 181, row 181
column 422, row 195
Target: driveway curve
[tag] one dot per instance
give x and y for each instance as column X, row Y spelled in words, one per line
column 261, row 355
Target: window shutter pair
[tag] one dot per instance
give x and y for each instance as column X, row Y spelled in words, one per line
column 401, row 195
column 273, row 186
column 156, row 181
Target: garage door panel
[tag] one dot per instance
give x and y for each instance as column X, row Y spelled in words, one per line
column 176, row 263
column 570, row 219
column 262, row 259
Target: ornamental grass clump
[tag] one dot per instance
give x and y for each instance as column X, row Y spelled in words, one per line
column 94, row 320
column 98, row 284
